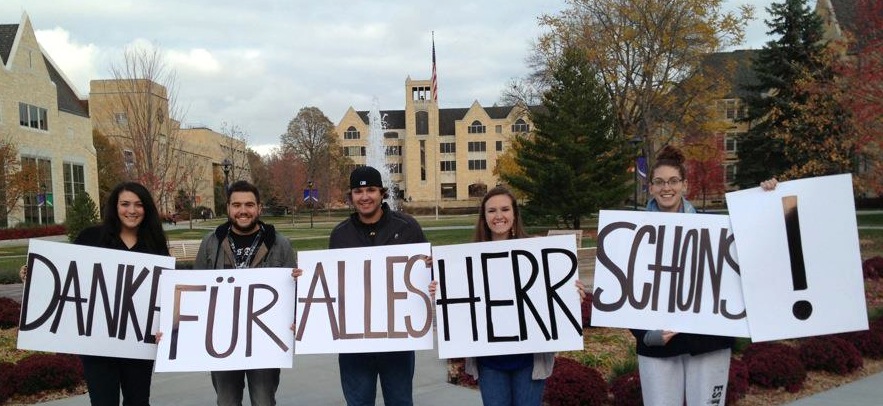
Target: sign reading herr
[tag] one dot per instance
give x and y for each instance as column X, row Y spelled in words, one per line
column 93, row 301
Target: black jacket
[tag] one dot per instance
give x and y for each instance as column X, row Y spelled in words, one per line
column 392, row 228
column 96, row 236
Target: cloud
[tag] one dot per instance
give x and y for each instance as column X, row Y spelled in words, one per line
column 77, row 61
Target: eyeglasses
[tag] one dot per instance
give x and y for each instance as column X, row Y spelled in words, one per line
column 659, row 182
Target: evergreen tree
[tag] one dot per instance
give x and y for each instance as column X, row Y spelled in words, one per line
column 573, row 163
column 81, row 214
column 777, row 100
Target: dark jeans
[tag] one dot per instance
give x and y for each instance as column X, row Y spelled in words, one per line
column 262, row 384
column 107, row 376
column 509, row 388
column 359, row 372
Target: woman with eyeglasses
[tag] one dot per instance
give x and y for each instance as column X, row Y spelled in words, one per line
column 679, row 367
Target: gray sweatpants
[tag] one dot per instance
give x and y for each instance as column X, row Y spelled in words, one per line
column 700, row 380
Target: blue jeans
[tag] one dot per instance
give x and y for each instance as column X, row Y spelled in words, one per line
column 509, row 388
column 107, row 376
column 262, row 384
column 359, row 372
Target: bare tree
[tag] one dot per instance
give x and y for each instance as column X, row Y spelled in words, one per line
column 235, row 150
column 146, row 120
column 195, row 168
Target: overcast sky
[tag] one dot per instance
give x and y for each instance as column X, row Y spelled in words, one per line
column 255, row 63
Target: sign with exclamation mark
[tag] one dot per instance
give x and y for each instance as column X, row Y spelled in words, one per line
column 799, row 258
column 802, row 309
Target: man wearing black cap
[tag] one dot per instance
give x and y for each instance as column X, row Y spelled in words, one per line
column 374, row 224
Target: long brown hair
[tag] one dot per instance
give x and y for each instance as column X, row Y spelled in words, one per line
column 483, row 232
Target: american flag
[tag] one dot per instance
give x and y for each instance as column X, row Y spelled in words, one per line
column 434, row 78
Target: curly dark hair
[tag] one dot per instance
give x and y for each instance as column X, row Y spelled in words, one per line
column 670, row 156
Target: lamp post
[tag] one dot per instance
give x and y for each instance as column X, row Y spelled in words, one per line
column 41, row 201
column 226, row 166
column 310, row 199
column 636, row 142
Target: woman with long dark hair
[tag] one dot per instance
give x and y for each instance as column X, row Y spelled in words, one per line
column 130, row 222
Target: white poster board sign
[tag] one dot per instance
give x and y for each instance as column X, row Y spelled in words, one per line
column 91, row 301
column 669, row 271
column 799, row 254
column 370, row 299
column 507, row 297
column 226, row 319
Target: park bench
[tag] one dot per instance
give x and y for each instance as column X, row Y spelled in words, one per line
column 184, row 250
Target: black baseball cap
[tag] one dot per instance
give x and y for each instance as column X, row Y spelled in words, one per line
column 365, row 176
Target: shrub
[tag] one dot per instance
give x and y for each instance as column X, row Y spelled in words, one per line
column 869, row 342
column 773, row 365
column 873, row 267
column 81, row 214
column 9, row 312
column 31, row 231
column 830, row 353
column 587, row 310
column 737, row 383
column 7, row 389
column 41, row 372
column 574, row 384
column 626, row 390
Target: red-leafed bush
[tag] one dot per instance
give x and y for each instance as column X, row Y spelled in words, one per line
column 41, row 372
column 7, row 387
column 587, row 310
column 773, row 365
column 737, row 383
column 457, row 373
column 9, row 312
column 829, row 353
column 574, row 384
column 872, row 268
column 31, row 232
column 869, row 342
column 626, row 390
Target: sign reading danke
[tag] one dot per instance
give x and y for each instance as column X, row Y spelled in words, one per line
column 226, row 319
column 92, row 301
column 507, row 297
column 371, row 299
column 670, row 271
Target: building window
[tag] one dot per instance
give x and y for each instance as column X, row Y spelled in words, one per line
column 733, row 109
column 74, row 182
column 390, row 134
column 351, row 134
column 393, row 150
column 39, row 205
column 447, row 147
column 422, row 119
column 499, row 146
column 520, row 126
column 121, row 118
column 449, row 190
column 129, row 160
column 477, row 190
column 477, row 146
column 354, row 151
column 477, row 164
column 730, row 173
column 498, row 129
column 33, row 117
column 448, row 166
column 423, row 160
column 395, row 168
column 731, row 143
column 476, row 128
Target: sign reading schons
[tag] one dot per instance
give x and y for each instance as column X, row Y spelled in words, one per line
column 507, row 297
column 93, row 301
column 371, row 299
column 668, row 271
